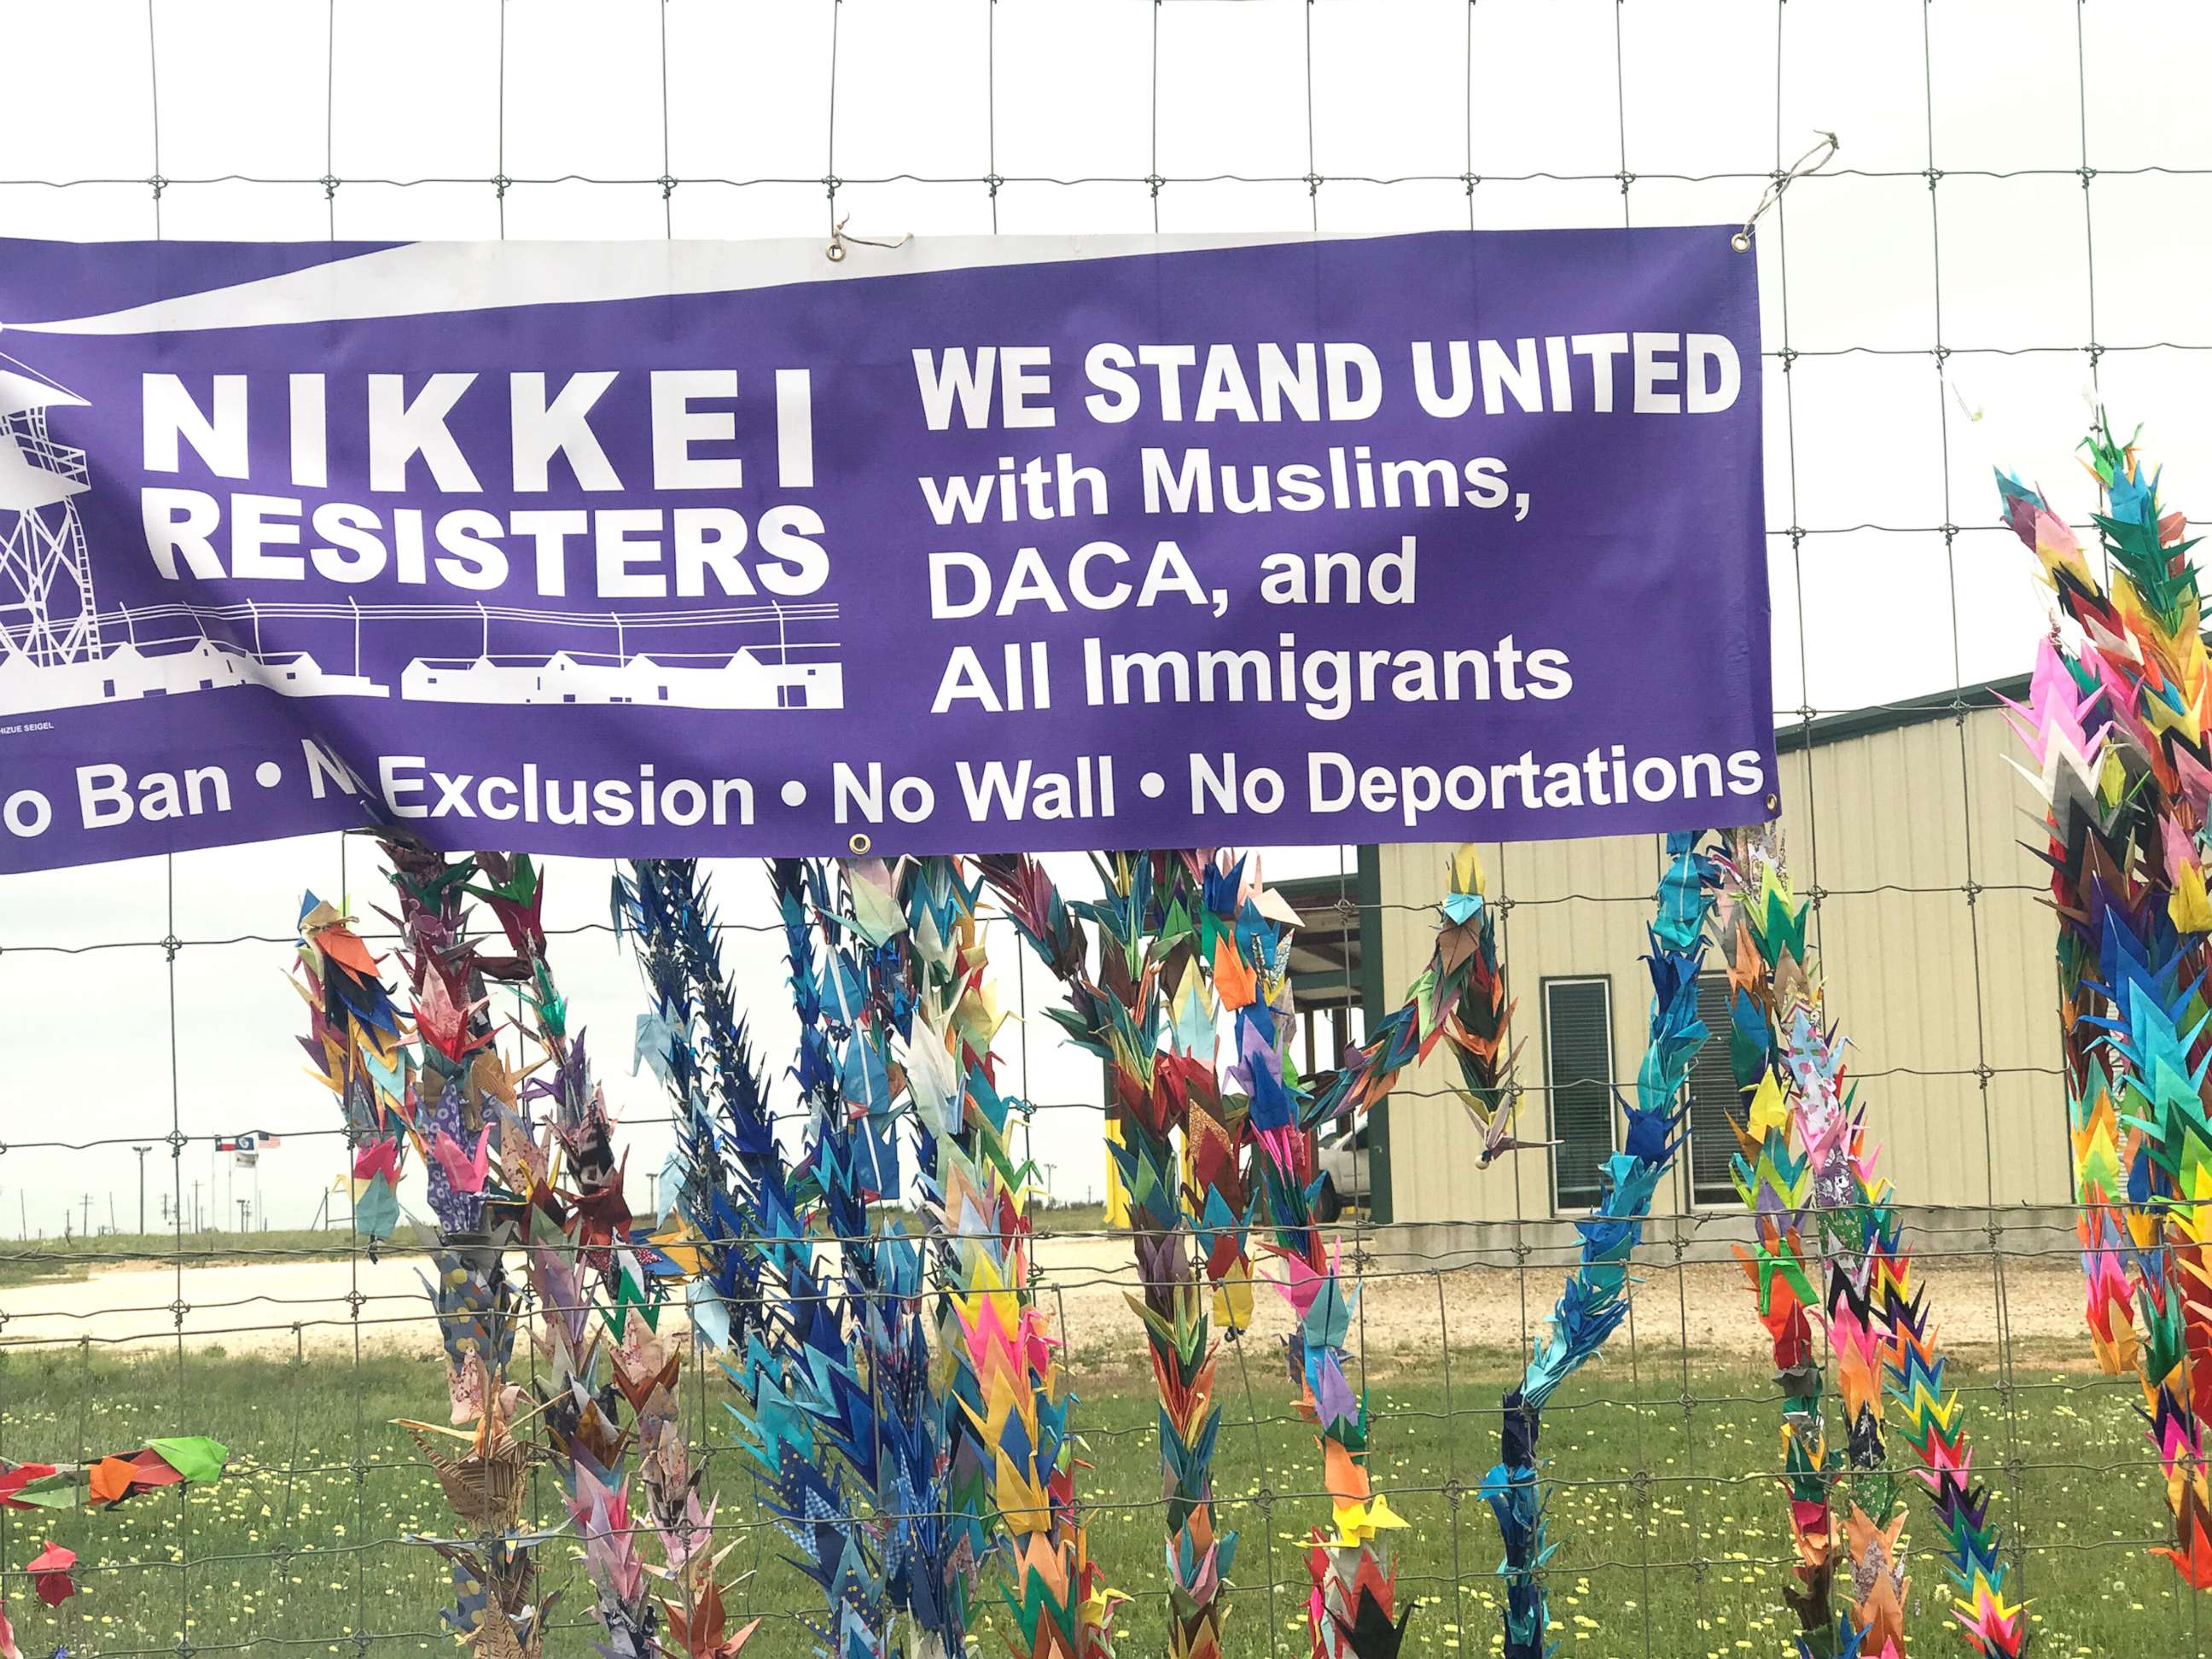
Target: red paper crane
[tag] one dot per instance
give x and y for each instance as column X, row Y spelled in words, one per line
column 49, row 1574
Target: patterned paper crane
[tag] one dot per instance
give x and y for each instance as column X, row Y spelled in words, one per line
column 383, row 1066
column 1773, row 1177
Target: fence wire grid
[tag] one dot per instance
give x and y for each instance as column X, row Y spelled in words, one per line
column 1933, row 300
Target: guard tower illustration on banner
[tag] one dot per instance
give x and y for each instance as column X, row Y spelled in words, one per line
column 47, row 617
column 57, row 649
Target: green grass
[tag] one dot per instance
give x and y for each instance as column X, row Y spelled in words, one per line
column 48, row 1260
column 28, row 1262
column 1669, row 1524
column 1070, row 1219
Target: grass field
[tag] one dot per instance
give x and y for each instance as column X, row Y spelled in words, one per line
column 28, row 1261
column 1669, row 1524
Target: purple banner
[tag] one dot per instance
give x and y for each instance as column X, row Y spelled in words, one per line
column 718, row 548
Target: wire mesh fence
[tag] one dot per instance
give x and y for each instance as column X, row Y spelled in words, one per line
column 1933, row 301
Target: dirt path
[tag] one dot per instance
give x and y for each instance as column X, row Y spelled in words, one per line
column 1404, row 1304
column 266, row 1308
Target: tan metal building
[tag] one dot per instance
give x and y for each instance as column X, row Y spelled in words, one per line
column 1904, row 826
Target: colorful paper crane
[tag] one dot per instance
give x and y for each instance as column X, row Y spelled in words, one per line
column 1773, row 1176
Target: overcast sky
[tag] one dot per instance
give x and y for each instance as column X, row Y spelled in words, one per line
column 1869, row 449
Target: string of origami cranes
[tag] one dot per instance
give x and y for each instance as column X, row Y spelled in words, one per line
column 2116, row 720
column 1806, row 1173
column 897, row 1393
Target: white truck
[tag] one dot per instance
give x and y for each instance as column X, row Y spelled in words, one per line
column 1340, row 1155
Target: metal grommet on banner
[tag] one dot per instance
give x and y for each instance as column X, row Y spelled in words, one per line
column 859, row 843
column 835, row 249
column 1825, row 151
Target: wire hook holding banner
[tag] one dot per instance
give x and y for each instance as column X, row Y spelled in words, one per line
column 1826, row 150
column 838, row 238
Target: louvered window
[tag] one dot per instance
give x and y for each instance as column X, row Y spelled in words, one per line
column 1712, row 1100
column 1578, row 1067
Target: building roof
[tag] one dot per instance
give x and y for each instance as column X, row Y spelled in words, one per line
column 19, row 393
column 1888, row 716
column 1325, row 952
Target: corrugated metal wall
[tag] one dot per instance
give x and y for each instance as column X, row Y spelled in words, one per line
column 1916, row 852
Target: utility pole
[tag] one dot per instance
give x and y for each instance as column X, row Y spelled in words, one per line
column 245, row 1206
column 141, row 1151
column 84, row 1210
column 196, row 1204
column 111, row 1227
